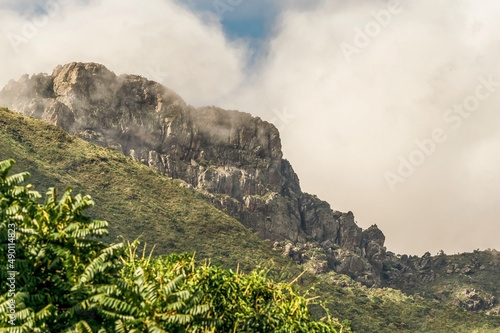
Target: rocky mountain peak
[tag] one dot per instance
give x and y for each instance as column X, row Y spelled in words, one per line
column 233, row 158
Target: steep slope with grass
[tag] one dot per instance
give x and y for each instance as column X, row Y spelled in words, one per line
column 140, row 201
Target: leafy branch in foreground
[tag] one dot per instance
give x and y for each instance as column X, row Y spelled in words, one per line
column 55, row 244
column 69, row 281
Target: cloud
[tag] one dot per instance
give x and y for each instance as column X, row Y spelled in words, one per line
column 346, row 117
column 157, row 39
column 355, row 116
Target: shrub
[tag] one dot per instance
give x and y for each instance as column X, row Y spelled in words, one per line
column 66, row 280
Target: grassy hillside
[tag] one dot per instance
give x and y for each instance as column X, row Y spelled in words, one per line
column 390, row 310
column 468, row 279
column 138, row 201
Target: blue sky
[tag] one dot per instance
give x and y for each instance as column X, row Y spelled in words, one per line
column 241, row 18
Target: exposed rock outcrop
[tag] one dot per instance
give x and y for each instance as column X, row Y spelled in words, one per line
column 472, row 300
column 468, row 280
column 233, row 158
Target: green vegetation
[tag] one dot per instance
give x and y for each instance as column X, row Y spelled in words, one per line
column 67, row 281
column 459, row 275
column 139, row 202
column 390, row 310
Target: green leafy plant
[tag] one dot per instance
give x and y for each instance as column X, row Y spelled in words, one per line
column 55, row 251
column 69, row 281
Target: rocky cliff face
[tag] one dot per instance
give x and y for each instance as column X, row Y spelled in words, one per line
column 233, row 158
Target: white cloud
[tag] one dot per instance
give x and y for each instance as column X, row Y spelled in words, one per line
column 354, row 119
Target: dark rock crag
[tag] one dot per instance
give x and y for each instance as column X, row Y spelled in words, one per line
column 233, row 158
